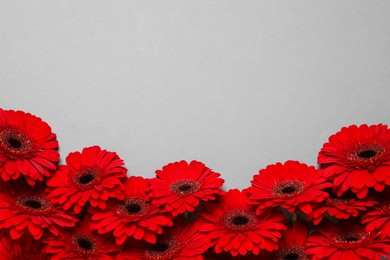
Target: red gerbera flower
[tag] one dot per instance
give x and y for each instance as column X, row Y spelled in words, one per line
column 232, row 226
column 344, row 207
column 81, row 244
column 23, row 248
column 357, row 158
column 27, row 147
column 378, row 218
column 134, row 217
column 290, row 185
column 180, row 186
column 293, row 243
column 346, row 241
column 26, row 210
column 182, row 242
column 93, row 176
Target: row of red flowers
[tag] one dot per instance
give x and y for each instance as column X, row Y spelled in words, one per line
column 89, row 209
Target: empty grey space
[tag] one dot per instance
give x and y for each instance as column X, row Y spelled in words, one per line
column 237, row 85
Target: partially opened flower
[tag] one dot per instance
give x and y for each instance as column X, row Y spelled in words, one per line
column 290, row 185
column 135, row 216
column 233, row 226
column 179, row 186
column 30, row 211
column 344, row 207
column 346, row 241
column 27, row 147
column 182, row 242
column 357, row 158
column 377, row 219
column 292, row 245
column 93, row 176
column 26, row 247
column 80, row 244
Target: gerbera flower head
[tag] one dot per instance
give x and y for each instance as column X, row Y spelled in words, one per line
column 292, row 245
column 135, row 216
column 30, row 211
column 290, row 185
column 233, row 226
column 377, row 219
column 80, row 244
column 27, row 147
column 26, row 247
column 179, row 186
column 344, row 207
column 93, row 176
column 357, row 158
column 180, row 242
column 346, row 241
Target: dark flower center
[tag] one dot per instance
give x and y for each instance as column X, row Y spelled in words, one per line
column 133, row 208
column 288, row 188
column 291, row 253
column 185, row 187
column 367, row 154
column 239, row 220
column 166, row 248
column 160, row 247
column 14, row 143
column 86, row 178
column 291, row 256
column 33, row 204
column 85, row 243
column 351, row 238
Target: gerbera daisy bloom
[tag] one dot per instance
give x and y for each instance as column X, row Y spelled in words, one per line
column 27, row 147
column 357, row 158
column 292, row 245
column 344, row 207
column 134, row 217
column 290, row 185
column 93, row 176
column 81, row 244
column 233, row 226
column 346, row 241
column 25, row 247
column 179, row 186
column 378, row 218
column 29, row 211
column 182, row 242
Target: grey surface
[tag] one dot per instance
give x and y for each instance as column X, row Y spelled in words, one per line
column 235, row 84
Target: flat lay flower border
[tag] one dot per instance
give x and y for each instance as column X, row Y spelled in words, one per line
column 88, row 208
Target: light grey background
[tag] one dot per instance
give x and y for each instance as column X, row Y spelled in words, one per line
column 235, row 84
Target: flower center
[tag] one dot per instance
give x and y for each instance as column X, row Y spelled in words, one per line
column 84, row 178
column 366, row 156
column 349, row 238
column 288, row 188
column 133, row 208
column 15, row 143
column 291, row 253
column 185, row 187
column 84, row 243
column 165, row 249
column 239, row 220
column 33, row 204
